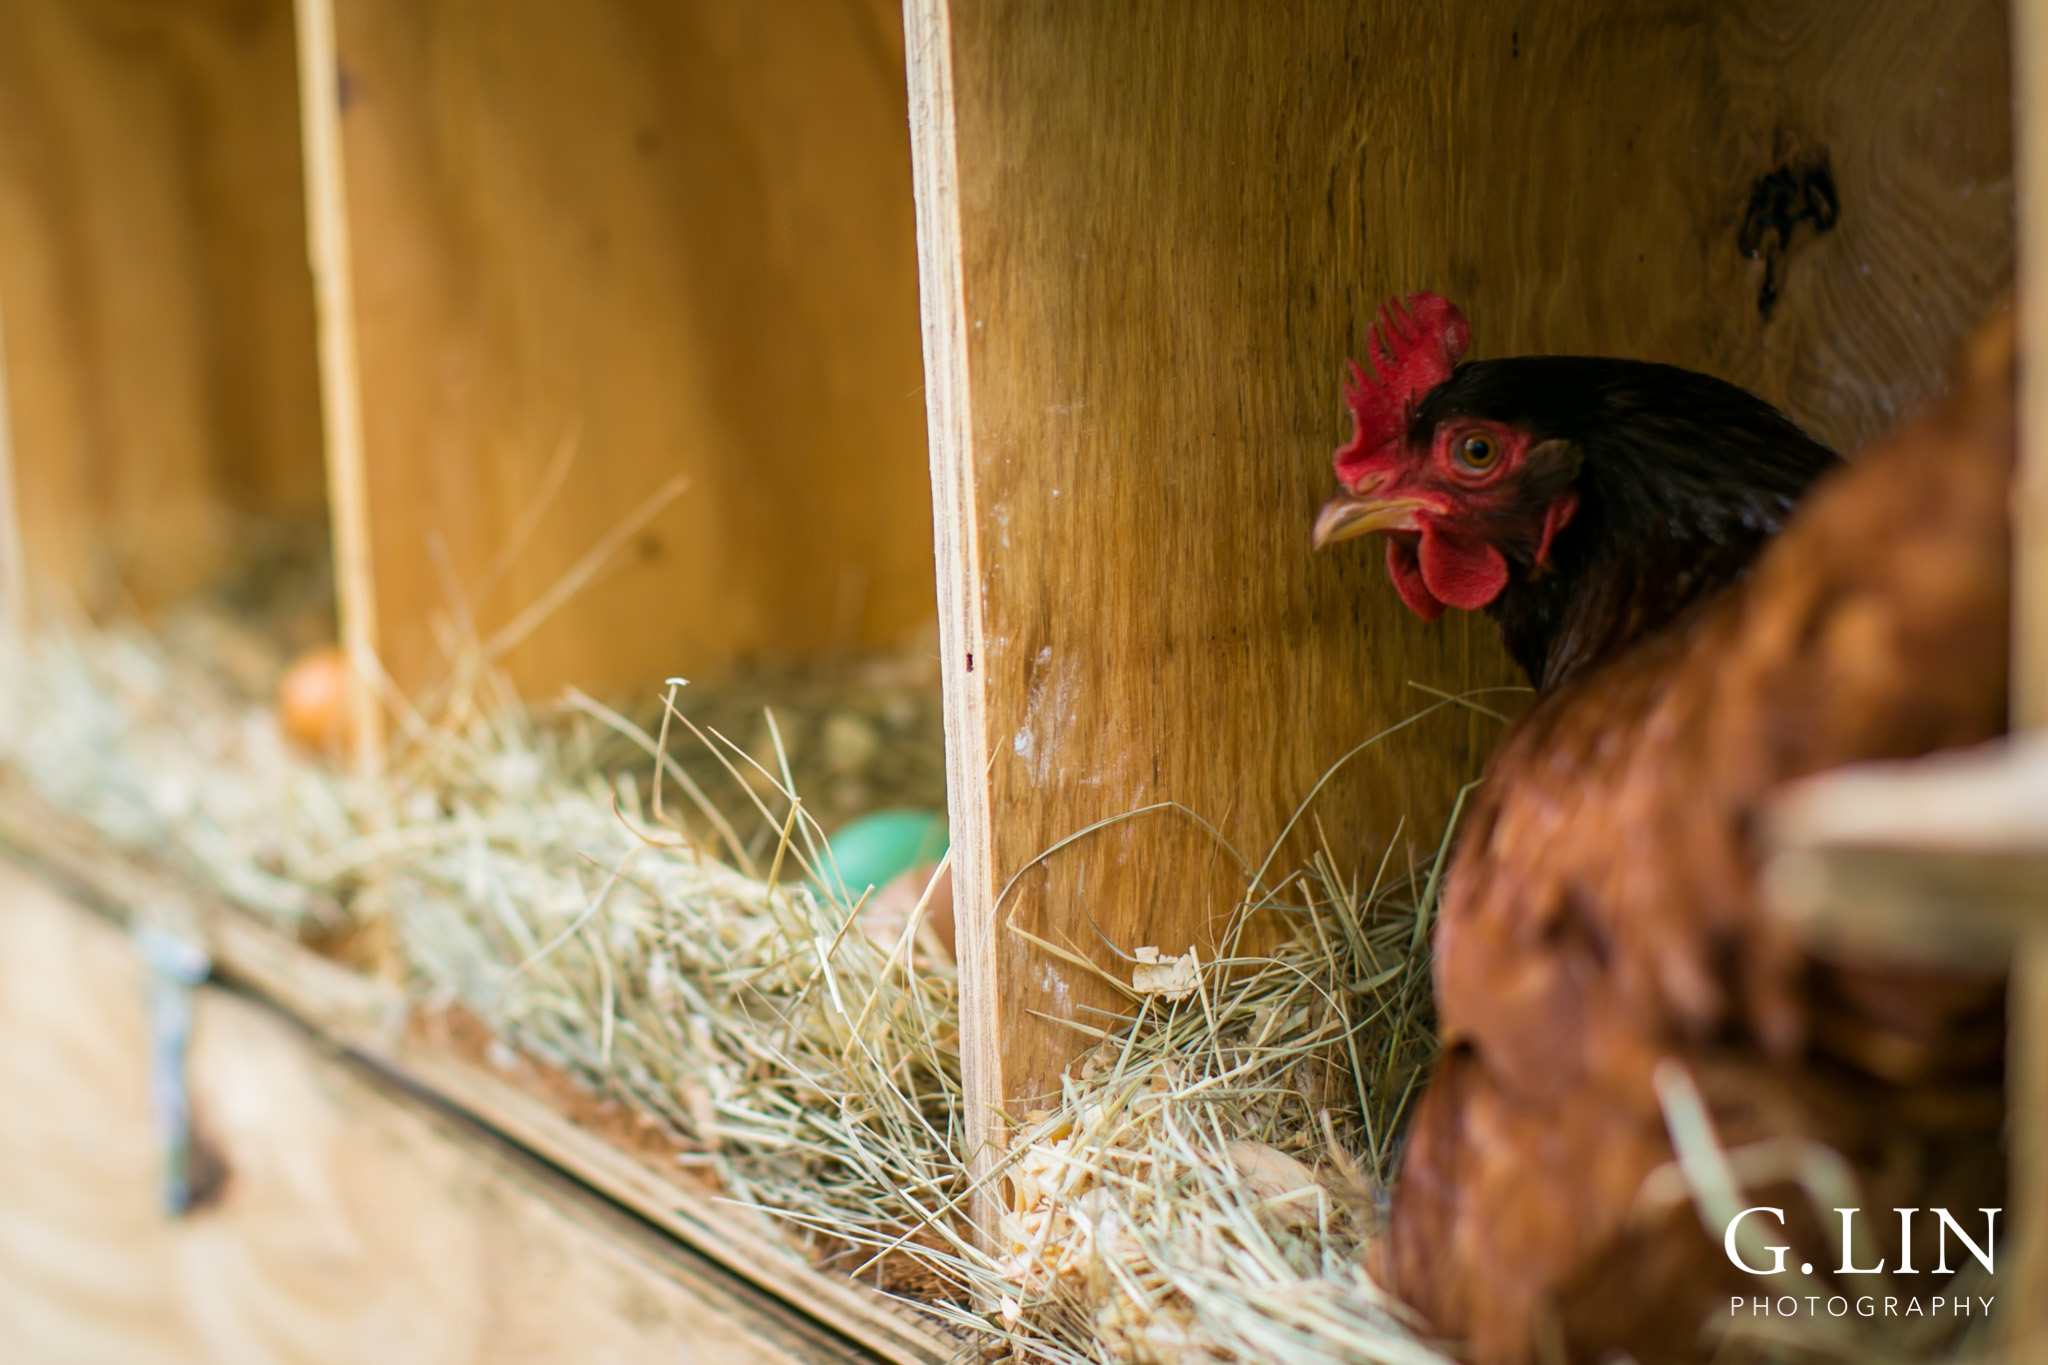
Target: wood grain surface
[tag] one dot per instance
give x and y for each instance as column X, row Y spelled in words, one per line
column 372, row 1021
column 1171, row 222
column 332, row 261
column 2028, row 1063
column 354, row 1225
column 669, row 240
column 159, row 315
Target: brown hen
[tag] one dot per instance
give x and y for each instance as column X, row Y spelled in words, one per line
column 1602, row 914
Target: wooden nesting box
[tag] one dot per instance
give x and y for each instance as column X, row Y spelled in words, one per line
column 606, row 252
column 1151, row 233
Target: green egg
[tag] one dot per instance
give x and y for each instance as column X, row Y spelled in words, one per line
column 880, row 846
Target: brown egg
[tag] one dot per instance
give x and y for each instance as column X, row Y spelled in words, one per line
column 940, row 913
column 313, row 700
column 889, row 908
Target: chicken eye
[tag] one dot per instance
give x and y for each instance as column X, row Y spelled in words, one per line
column 1478, row 452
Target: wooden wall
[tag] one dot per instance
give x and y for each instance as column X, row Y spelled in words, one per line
column 1150, row 234
column 353, row 1225
column 676, row 239
column 153, row 289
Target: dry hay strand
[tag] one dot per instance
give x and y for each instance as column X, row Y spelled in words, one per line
column 1218, row 1160
column 857, row 736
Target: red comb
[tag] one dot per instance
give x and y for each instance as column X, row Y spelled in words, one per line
column 1414, row 348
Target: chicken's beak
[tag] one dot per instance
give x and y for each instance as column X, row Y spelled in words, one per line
column 1350, row 515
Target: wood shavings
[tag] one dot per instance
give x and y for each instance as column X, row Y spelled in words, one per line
column 1173, row 978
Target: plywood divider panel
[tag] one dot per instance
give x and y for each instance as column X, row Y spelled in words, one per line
column 2030, row 511
column 159, row 333
column 341, row 392
column 2028, row 1063
column 950, row 427
column 605, row 247
column 13, row 555
column 1169, row 224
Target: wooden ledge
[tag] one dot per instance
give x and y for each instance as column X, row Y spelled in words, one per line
column 1942, row 859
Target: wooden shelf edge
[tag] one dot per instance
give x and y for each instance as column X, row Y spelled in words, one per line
column 1962, row 910
column 1942, row 859
column 686, row 1214
column 367, row 1018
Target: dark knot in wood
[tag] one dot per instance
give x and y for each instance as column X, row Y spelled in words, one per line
column 1778, row 203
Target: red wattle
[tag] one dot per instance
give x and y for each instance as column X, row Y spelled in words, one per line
column 1407, row 573
column 1462, row 574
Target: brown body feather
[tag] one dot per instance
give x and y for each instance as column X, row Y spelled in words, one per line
column 1603, row 913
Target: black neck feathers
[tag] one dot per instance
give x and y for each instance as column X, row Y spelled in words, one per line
column 1682, row 479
